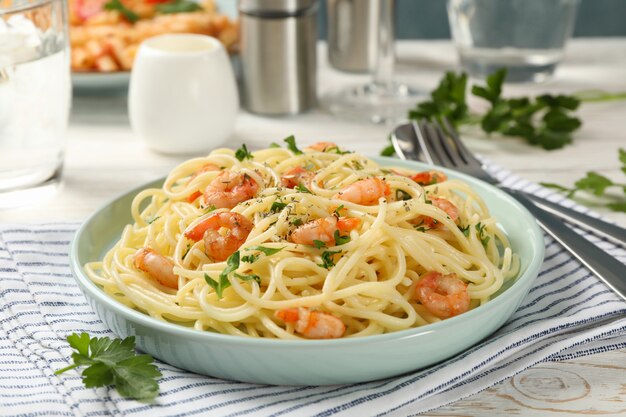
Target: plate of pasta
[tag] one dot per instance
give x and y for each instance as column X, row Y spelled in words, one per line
column 307, row 266
column 105, row 34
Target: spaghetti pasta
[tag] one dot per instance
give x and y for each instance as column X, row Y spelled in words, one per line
column 320, row 243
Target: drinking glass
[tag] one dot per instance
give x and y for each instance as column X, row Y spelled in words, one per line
column 35, row 95
column 382, row 100
column 526, row 36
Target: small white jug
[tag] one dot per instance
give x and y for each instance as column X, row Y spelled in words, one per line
column 182, row 96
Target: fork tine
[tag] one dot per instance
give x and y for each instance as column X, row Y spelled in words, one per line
column 433, row 144
column 467, row 156
column 423, row 145
column 450, row 146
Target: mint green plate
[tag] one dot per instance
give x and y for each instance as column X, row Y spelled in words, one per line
column 310, row 362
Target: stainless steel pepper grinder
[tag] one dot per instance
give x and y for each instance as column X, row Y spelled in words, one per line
column 278, row 55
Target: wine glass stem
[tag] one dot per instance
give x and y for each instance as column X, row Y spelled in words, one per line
column 383, row 73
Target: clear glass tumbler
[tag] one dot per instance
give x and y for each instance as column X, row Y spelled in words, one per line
column 35, row 96
column 526, row 36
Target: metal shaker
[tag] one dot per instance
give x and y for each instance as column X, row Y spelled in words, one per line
column 278, row 55
column 353, row 27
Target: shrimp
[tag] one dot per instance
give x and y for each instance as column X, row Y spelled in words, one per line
column 204, row 168
column 219, row 243
column 440, row 203
column 313, row 324
column 297, row 176
column 364, row 192
column 157, row 266
column 323, row 229
column 323, row 146
column 429, row 177
column 443, row 295
column 229, row 189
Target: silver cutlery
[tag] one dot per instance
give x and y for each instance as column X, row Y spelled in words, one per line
column 407, row 145
column 429, row 142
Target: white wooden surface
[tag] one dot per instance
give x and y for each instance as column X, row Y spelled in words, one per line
column 105, row 159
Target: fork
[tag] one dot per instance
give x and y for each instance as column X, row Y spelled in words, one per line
column 444, row 148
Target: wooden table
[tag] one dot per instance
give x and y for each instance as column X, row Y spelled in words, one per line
column 105, row 159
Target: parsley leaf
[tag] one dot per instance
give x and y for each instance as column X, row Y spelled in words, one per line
column 337, row 211
column 128, row 14
column 597, row 184
column 402, row 195
column 277, row 206
column 465, row 230
column 447, row 100
column 319, row 244
column 251, row 277
column 341, row 240
column 327, row 258
column 544, row 121
column 389, row 149
column 291, row 145
column 250, row 258
column 301, row 188
column 243, row 153
column 179, row 6
column 274, row 145
column 114, row 362
column 152, row 220
column 265, row 250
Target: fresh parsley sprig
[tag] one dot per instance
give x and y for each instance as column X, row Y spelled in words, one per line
column 291, row 145
column 128, row 14
column 114, row 362
column 243, row 153
column 597, row 185
column 545, row 121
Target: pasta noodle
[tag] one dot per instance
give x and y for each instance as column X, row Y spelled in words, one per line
column 264, row 244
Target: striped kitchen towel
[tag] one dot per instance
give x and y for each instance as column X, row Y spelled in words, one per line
column 567, row 313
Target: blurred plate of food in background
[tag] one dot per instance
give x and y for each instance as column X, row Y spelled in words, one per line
column 105, row 34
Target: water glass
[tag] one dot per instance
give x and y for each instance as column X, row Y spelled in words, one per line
column 526, row 36
column 35, row 95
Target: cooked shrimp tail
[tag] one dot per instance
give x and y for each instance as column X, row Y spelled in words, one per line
column 313, row 324
column 157, row 266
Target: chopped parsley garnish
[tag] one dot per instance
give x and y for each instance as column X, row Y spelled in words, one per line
column 128, row 14
column 420, row 228
column 274, row 145
column 209, row 209
column 152, row 220
column 341, row 240
column 327, row 258
column 465, row 230
column 301, row 188
column 114, row 362
column 187, row 251
column 297, row 221
column 480, row 228
column 277, row 206
column 179, row 6
column 250, row 258
column 319, row 244
column 249, row 277
column 291, row 145
column 265, row 250
column 357, row 165
column 232, row 263
column 243, row 153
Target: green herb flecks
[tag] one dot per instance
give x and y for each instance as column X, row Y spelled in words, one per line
column 340, row 240
column 291, row 145
column 128, row 14
column 319, row 244
column 402, row 195
column 152, row 220
column 482, row 234
column 277, row 206
column 243, row 153
column 267, row 251
column 114, row 362
column 301, row 188
column 179, row 6
column 328, row 258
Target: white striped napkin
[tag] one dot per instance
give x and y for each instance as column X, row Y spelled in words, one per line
column 568, row 313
